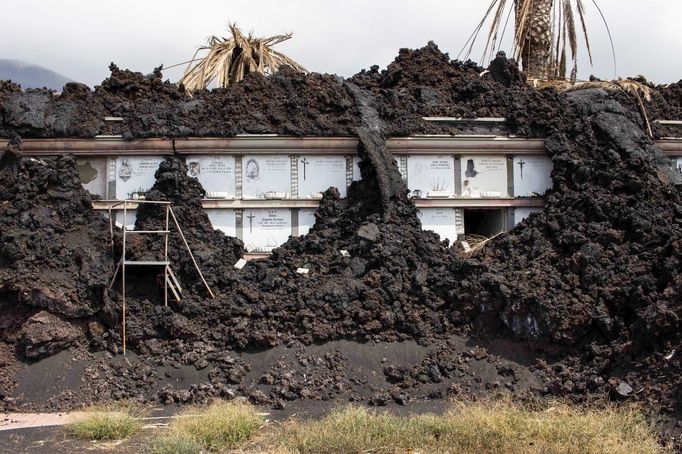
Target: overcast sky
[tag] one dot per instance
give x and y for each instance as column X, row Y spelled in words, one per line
column 79, row 38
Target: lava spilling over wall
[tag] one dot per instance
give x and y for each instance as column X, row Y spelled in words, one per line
column 594, row 279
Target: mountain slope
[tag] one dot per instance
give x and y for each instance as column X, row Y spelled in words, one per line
column 31, row 76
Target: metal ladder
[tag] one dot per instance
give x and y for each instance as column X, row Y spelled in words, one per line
column 170, row 280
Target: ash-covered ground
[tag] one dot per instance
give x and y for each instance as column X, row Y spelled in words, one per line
column 582, row 300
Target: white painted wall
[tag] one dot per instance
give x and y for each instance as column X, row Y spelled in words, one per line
column 118, row 216
column 135, row 173
column 263, row 173
column 440, row 221
column 216, row 173
column 87, row 167
column 319, row 173
column 431, row 173
column 532, row 175
column 522, row 213
column 306, row 220
column 484, row 174
column 265, row 229
column 223, row 220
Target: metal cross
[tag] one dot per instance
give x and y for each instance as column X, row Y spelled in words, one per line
column 305, row 163
column 521, row 164
column 251, row 216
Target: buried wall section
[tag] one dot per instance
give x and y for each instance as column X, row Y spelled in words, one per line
column 460, row 185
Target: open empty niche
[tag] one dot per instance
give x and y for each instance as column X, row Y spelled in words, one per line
column 484, row 222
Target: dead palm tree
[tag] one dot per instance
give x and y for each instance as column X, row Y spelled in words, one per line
column 545, row 36
column 229, row 60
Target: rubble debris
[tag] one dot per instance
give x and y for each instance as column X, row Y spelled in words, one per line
column 592, row 284
column 55, row 260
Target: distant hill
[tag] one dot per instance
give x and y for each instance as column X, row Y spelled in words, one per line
column 31, row 76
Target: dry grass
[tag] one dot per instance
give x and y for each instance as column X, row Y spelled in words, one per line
column 172, row 444
column 473, row 428
column 229, row 60
column 107, row 423
column 476, row 244
column 222, row 425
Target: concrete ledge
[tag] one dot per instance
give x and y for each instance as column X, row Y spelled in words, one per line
column 532, row 202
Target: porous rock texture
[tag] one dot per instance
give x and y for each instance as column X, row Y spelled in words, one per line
column 593, row 281
column 55, row 257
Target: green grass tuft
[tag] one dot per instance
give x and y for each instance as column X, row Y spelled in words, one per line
column 219, row 426
column 172, row 444
column 106, row 423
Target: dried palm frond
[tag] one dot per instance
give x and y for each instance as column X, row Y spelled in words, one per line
column 229, row 60
column 638, row 90
column 476, row 244
column 546, row 35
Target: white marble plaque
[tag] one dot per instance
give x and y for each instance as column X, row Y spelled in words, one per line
column 265, row 173
column 431, row 174
column 440, row 221
column 266, row 229
column 319, row 173
column 532, row 175
column 223, row 220
column 135, row 174
column 357, row 176
column 484, row 176
column 679, row 164
column 93, row 175
column 306, row 221
column 215, row 173
column 522, row 213
column 118, row 218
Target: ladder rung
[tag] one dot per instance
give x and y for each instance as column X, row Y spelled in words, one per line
column 145, row 263
column 147, row 231
column 176, row 283
column 172, row 288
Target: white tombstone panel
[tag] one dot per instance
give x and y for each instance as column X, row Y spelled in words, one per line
column 484, row 176
column 265, row 229
column 93, row 175
column 223, row 220
column 532, row 175
column 440, row 221
column 319, row 173
column 265, row 173
column 118, row 217
column 135, row 174
column 431, row 173
column 679, row 164
column 215, row 173
column 522, row 213
column 306, row 221
column 357, row 176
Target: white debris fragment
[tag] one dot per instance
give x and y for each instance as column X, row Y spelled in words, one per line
column 302, row 270
column 669, row 356
column 240, row 264
column 465, row 245
column 344, row 253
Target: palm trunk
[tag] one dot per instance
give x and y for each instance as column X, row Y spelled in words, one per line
column 536, row 44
